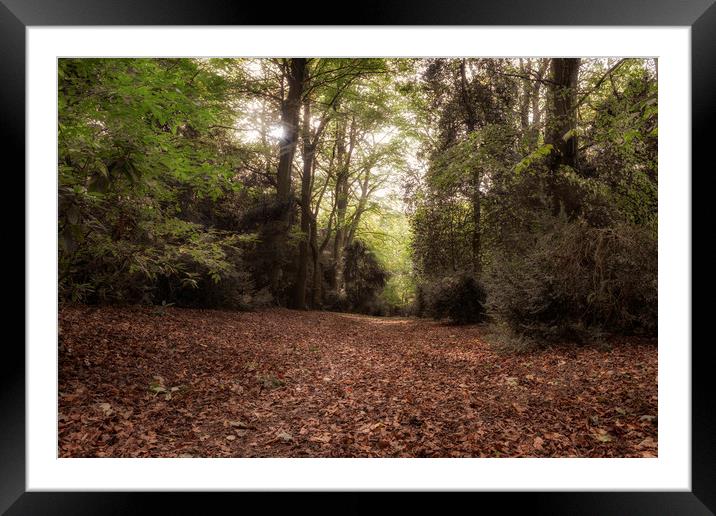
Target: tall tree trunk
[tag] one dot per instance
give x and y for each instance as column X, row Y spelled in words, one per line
column 470, row 115
column 339, row 241
column 317, row 279
column 287, row 147
column 289, row 126
column 562, row 115
column 344, row 159
column 476, row 216
column 360, row 208
column 299, row 290
column 526, row 96
column 316, row 250
column 317, row 292
column 470, row 125
column 536, row 122
column 561, row 127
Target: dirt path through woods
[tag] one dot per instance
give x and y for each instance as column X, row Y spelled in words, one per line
column 137, row 382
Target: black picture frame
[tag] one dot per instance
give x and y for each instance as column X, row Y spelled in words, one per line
column 17, row 15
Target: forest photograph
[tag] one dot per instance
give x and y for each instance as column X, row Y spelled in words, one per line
column 357, row 257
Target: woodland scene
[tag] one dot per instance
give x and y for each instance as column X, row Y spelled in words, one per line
column 357, row 257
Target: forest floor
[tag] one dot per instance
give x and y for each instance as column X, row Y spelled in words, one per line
column 142, row 382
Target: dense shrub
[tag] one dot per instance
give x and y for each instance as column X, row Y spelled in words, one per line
column 126, row 255
column 235, row 290
column 419, row 307
column 459, row 298
column 335, row 302
column 364, row 279
column 575, row 281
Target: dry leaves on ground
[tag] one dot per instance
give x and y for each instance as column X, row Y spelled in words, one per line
column 282, row 383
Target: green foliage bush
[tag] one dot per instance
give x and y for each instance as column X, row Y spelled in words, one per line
column 459, row 298
column 574, row 281
column 146, row 177
column 335, row 301
column 163, row 261
column 364, row 281
column 364, row 278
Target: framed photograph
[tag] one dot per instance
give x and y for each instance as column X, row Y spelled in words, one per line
column 426, row 251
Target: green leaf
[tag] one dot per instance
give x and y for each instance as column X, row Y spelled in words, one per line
column 540, row 152
column 98, row 183
column 72, row 214
column 631, row 135
column 101, row 169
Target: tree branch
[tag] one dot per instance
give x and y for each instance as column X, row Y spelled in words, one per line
column 594, row 88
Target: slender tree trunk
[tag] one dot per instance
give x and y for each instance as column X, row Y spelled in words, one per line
column 316, row 250
column 536, row 126
column 299, row 290
column 536, row 122
column 287, row 146
column 526, row 96
column 360, row 208
column 470, row 115
column 316, row 280
column 317, row 254
column 339, row 241
column 344, row 159
column 470, row 125
column 476, row 216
